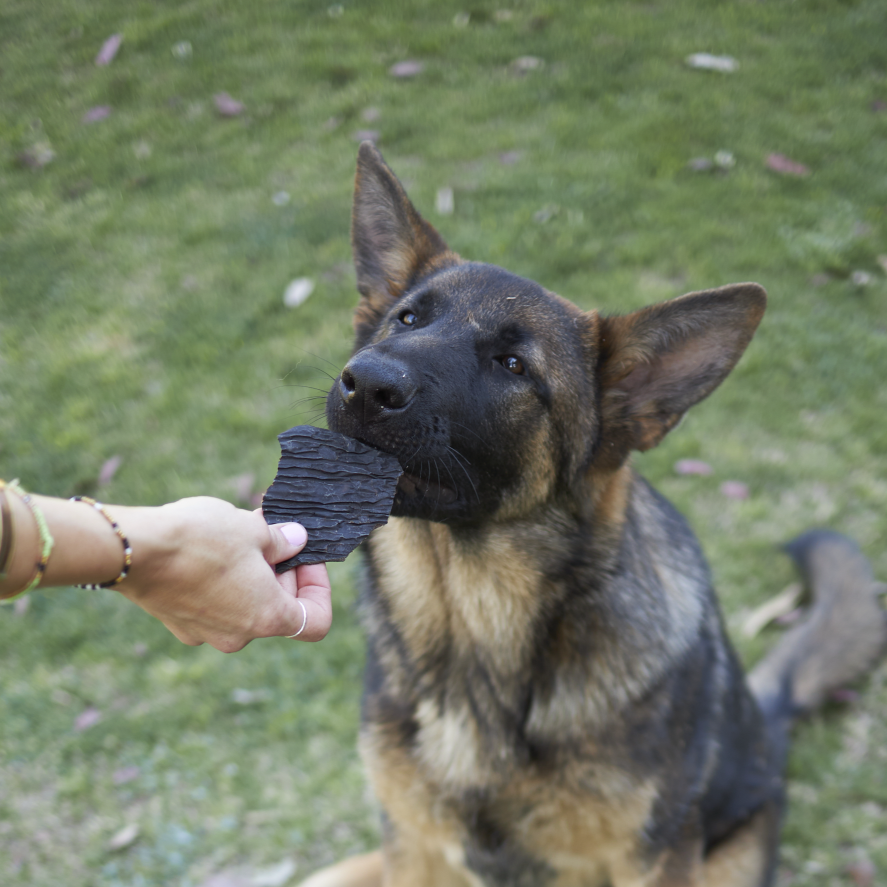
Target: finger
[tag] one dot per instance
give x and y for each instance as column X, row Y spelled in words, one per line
column 284, row 541
column 313, row 581
column 287, row 581
column 314, row 594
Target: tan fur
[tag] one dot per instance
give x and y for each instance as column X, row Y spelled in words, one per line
column 490, row 598
column 742, row 859
column 356, row 871
column 592, row 840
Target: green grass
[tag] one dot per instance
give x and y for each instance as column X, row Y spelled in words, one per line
column 141, row 315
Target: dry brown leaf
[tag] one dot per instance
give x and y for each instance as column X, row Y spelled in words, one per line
column 693, row 466
column 227, row 106
column 786, row 166
column 734, row 489
column 109, row 50
column 406, row 69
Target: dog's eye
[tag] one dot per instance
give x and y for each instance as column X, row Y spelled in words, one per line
column 407, row 318
column 513, row 365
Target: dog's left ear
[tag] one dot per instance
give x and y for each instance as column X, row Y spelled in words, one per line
column 393, row 245
column 656, row 363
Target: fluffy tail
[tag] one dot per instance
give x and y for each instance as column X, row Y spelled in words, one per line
column 843, row 636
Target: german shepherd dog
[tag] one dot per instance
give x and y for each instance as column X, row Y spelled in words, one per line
column 551, row 699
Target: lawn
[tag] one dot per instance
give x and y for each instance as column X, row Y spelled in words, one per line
column 146, row 242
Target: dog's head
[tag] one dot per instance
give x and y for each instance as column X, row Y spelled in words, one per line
column 496, row 395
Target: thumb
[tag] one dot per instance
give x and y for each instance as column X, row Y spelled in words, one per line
column 285, row 540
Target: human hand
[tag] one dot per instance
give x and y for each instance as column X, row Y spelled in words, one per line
column 204, row 569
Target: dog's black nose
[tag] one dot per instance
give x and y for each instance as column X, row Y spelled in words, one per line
column 371, row 384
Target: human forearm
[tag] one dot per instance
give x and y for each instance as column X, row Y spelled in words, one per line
column 201, row 566
column 85, row 549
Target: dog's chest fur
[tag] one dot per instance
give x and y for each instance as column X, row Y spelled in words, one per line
column 497, row 690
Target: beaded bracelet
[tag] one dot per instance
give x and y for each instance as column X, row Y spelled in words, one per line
column 46, row 540
column 127, row 550
column 6, row 532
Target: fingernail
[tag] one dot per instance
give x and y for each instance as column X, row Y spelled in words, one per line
column 295, row 534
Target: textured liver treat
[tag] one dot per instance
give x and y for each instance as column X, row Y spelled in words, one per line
column 339, row 489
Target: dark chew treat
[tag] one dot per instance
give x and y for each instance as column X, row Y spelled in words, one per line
column 339, row 489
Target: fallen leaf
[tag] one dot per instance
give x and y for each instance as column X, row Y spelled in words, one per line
column 86, row 719
column 109, row 469
column 526, row 63
column 462, row 19
column 274, row 876
column 280, row 198
column 444, row 201
column 406, row 69
column 298, row 291
column 249, row 697
column 784, row 602
column 227, row 879
column 109, row 50
column 725, row 160
column 125, row 774
column 182, row 50
column 843, row 696
column 21, row 606
column 862, row 872
column 701, row 164
column 546, row 214
column 786, row 166
column 861, row 278
column 705, row 61
column 509, row 158
column 227, row 106
column 367, row 135
column 127, row 836
column 93, row 115
column 734, row 489
column 37, row 156
column 820, row 279
column 693, row 466
column 371, row 115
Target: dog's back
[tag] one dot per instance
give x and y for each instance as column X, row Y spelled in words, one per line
column 550, row 697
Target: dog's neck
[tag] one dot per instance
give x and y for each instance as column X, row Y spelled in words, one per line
column 492, row 596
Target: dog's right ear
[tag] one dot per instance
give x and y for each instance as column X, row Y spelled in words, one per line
column 393, row 245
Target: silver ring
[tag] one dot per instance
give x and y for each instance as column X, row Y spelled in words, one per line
column 304, row 620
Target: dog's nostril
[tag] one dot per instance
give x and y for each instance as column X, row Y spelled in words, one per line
column 348, row 382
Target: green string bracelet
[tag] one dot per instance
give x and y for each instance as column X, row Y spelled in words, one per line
column 46, row 540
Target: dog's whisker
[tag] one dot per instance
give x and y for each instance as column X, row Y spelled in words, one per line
column 321, row 357
column 469, row 430
column 459, row 462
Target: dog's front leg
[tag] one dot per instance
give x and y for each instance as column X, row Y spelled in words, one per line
column 415, row 864
column 356, row 871
column 747, row 858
